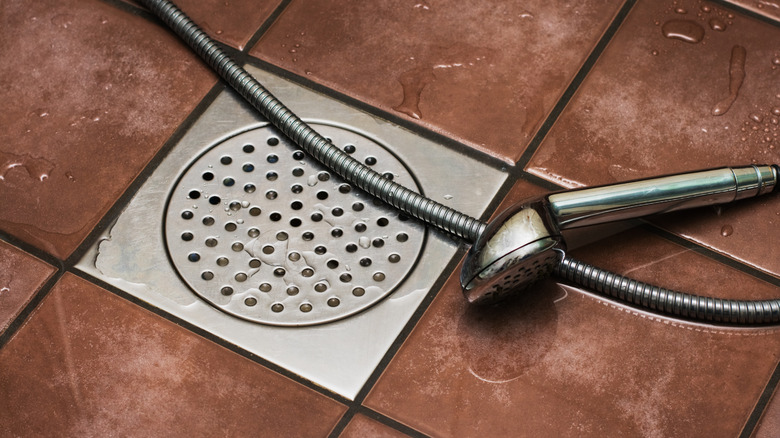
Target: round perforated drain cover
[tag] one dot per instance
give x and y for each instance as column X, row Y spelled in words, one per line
column 264, row 232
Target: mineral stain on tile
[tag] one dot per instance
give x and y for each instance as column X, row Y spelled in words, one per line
column 88, row 363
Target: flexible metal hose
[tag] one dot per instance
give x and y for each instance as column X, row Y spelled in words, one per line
column 434, row 213
column 308, row 139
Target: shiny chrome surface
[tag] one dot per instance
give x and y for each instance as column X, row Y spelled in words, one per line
column 588, row 206
column 339, row 355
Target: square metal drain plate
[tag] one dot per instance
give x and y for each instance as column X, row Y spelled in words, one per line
column 241, row 234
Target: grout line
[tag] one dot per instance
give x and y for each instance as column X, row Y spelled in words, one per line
column 32, row 250
column 338, row 429
column 390, row 422
column 211, row 337
column 30, row 307
column 571, row 90
column 124, row 199
column 255, row 38
column 761, row 404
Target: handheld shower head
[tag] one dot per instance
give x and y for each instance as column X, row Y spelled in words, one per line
column 524, row 243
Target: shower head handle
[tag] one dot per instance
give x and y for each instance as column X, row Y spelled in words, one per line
column 524, row 243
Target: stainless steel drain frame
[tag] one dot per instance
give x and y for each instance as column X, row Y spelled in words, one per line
column 339, row 355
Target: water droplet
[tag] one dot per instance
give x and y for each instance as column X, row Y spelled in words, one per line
column 448, row 197
column 681, row 11
column 736, row 77
column 717, row 24
column 654, row 52
column 726, row 231
column 364, row 242
column 756, row 118
column 683, row 30
column 413, row 82
column 219, row 32
column 37, row 168
column 705, row 8
column 63, row 20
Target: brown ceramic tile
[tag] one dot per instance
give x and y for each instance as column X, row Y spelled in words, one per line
column 232, row 22
column 769, row 425
column 457, row 68
column 361, row 426
column 646, row 109
column 562, row 362
column 768, row 8
column 90, row 363
column 89, row 94
column 21, row 275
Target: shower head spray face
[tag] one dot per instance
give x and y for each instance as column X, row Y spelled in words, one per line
column 519, row 247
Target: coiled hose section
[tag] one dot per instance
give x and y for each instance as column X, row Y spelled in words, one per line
column 436, row 214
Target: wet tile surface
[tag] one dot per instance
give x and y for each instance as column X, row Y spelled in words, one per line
column 769, row 425
column 619, row 128
column 91, row 93
column 457, row 69
column 232, row 22
column 21, row 276
column 577, row 365
column 361, row 426
column 90, row 363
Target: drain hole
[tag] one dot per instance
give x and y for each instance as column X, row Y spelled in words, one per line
column 251, row 301
column 241, row 277
column 235, row 206
column 279, row 272
column 337, row 212
column 333, row 264
column 394, row 258
column 276, row 308
column 305, row 308
column 237, row 246
column 320, row 250
column 248, row 148
column 316, row 217
column 297, row 171
column 308, row 236
column 222, row 261
column 186, row 214
column 402, row 217
column 271, row 176
column 307, row 272
column 292, row 291
column 358, row 206
column 352, row 247
column 250, row 188
column 365, row 262
column 322, row 195
column 281, row 236
column 345, row 277
column 193, row 257
column 337, row 232
column 294, row 256
column 333, row 302
column 230, row 226
column 379, row 276
column 187, row 236
column 208, row 176
column 226, row 160
column 295, row 222
column 268, row 249
column 345, row 188
column 207, row 275
column 215, row 200
column 320, row 287
column 388, row 175
column 382, row 221
column 265, row 287
column 296, row 205
column 350, row 149
column 298, row 155
column 194, row 194
column 360, row 227
column 271, row 194
column 358, row 291
column 296, row 188
column 272, row 141
column 378, row 243
column 254, row 263
column 323, row 176
column 228, row 182
column 402, row 237
column 271, row 158
column 211, row 242
column 276, row 217
column 253, row 232
column 227, row 290
column 255, row 211
column 248, row 167
column 370, row 161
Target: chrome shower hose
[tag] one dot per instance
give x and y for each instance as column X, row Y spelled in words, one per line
column 434, row 213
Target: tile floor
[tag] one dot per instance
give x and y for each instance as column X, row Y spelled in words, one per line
column 96, row 93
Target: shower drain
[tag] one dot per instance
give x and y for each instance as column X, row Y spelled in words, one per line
column 266, row 233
